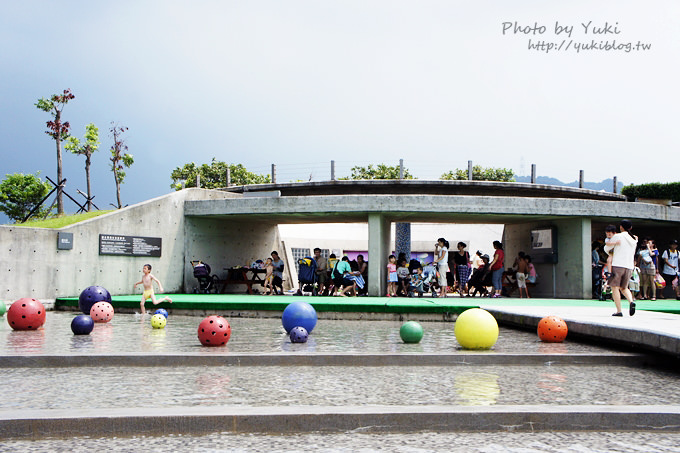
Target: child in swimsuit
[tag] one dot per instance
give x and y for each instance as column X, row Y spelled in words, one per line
column 147, row 283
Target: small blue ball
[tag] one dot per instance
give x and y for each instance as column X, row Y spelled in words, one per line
column 298, row 335
column 299, row 314
column 162, row 311
column 82, row 325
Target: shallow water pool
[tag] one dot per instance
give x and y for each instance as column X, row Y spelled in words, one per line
column 129, row 333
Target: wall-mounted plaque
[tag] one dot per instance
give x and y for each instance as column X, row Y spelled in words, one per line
column 115, row 244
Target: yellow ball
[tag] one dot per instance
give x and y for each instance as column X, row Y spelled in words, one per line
column 158, row 321
column 476, row 329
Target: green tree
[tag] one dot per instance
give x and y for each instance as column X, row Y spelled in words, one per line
column 480, row 173
column 20, row 193
column 213, row 176
column 89, row 146
column 120, row 159
column 58, row 130
column 381, row 171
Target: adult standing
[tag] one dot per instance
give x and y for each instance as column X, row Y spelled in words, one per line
column 321, row 270
column 496, row 267
column 623, row 245
column 461, row 261
column 277, row 281
column 442, row 261
column 670, row 266
column 363, row 269
column 647, row 270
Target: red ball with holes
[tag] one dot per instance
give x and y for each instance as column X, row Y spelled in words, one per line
column 214, row 331
column 552, row 329
column 26, row 314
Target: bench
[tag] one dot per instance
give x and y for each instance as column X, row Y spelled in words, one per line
column 239, row 276
column 511, row 285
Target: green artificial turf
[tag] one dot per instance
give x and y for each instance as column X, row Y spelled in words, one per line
column 220, row 302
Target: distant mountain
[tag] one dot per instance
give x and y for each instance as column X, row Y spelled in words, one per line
column 607, row 185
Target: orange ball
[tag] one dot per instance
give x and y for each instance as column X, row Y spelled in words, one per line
column 552, row 329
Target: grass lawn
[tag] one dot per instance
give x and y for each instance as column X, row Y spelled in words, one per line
column 59, row 222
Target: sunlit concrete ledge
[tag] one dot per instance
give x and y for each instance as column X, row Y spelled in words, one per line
column 298, row 419
column 218, row 358
column 653, row 331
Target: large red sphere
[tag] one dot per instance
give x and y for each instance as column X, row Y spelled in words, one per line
column 552, row 329
column 102, row 312
column 214, row 331
column 26, row 314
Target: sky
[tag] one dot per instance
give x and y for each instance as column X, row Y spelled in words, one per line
column 300, row 83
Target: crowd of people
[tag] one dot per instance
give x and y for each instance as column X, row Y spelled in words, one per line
column 625, row 265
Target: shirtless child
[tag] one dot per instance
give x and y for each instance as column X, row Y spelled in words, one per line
column 147, row 282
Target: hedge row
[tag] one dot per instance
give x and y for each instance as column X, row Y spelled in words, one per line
column 656, row 190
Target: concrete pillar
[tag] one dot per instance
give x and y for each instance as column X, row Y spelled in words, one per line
column 469, row 170
column 332, row 170
column 533, row 173
column 378, row 251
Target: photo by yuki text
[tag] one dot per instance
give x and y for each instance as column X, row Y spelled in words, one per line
column 581, row 38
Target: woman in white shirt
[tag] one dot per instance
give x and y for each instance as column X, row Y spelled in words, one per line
column 442, row 261
column 623, row 261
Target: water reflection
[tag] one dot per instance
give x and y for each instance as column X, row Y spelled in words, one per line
column 153, row 339
column 26, row 340
column 102, row 334
column 551, row 383
column 289, row 346
column 477, row 389
column 84, row 342
column 213, row 384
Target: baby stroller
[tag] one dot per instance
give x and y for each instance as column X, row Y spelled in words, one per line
column 426, row 284
column 206, row 283
column 307, row 276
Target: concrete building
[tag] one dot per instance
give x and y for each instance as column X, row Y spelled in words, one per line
column 230, row 227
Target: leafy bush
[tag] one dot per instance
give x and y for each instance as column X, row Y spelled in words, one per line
column 20, row 193
column 213, row 176
column 656, row 190
column 381, row 171
column 480, row 173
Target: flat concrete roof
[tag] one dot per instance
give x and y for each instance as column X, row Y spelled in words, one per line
column 427, row 208
column 427, row 187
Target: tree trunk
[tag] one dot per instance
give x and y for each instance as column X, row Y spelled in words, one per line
column 87, row 176
column 60, row 201
column 115, row 175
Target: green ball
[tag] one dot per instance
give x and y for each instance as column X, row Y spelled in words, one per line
column 476, row 329
column 3, row 308
column 158, row 321
column 411, row 332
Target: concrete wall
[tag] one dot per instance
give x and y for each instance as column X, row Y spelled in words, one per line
column 571, row 276
column 33, row 267
column 227, row 243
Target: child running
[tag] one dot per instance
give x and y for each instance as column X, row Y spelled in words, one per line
column 147, row 282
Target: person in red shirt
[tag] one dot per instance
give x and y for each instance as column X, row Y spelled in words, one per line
column 496, row 267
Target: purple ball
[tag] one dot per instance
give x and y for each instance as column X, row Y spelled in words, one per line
column 298, row 335
column 90, row 296
column 82, row 325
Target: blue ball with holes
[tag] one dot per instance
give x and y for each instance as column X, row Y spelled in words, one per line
column 162, row 311
column 299, row 335
column 299, row 314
